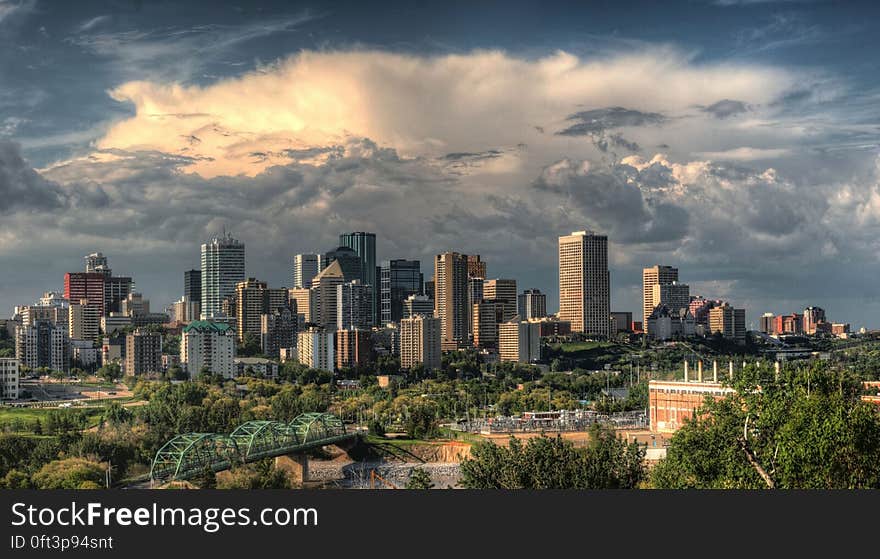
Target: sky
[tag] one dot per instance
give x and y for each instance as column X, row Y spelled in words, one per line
column 735, row 140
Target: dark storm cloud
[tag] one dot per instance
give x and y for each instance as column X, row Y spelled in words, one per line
column 726, row 108
column 596, row 121
column 22, row 188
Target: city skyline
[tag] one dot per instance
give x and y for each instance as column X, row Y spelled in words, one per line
column 738, row 144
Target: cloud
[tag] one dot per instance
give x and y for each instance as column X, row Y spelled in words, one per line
column 425, row 105
column 21, row 188
column 744, row 154
column 726, row 108
column 11, row 8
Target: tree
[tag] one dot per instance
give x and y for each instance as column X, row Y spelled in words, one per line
column 806, row 429
column 419, row 479
column 249, row 346
column 70, row 473
column 259, row 475
column 554, row 463
column 110, row 372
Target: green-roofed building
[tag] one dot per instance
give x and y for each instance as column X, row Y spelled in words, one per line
column 208, row 344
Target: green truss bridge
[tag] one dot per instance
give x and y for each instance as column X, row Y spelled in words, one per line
column 189, row 455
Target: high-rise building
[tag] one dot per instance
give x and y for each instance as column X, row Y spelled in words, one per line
column 135, row 305
column 43, row 344
column 349, row 262
column 364, row 244
column 55, row 314
column 503, row 290
column 812, row 317
column 656, row 275
column 354, row 306
column 84, row 321
column 768, row 323
column 324, row 290
column 114, row 322
column 192, row 286
column 675, row 296
column 584, row 282
column 699, row 308
column 85, row 285
column 209, row 346
column 519, row 341
column 222, row 269
column 429, row 289
column 729, row 322
column 143, row 352
column 398, row 279
column 474, row 296
column 9, row 378
column 353, row 348
column 305, row 268
column 116, row 290
column 487, row 315
column 186, row 310
column 278, row 330
column 621, row 321
column 315, row 348
column 531, row 303
column 96, row 262
column 476, row 268
column 420, row 342
column 789, row 324
column 450, row 298
column 253, row 299
column 418, row 304
column 305, row 302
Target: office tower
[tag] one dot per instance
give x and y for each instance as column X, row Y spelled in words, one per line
column 789, row 324
column 476, row 268
column 143, row 352
column 675, row 296
column 474, row 296
column 487, row 315
column 621, row 322
column 278, row 330
column 253, row 299
column 768, row 323
column 812, row 317
column 84, row 321
column 729, row 322
column 305, row 268
column 85, row 285
column 9, row 378
column 324, row 312
column 222, row 269
column 398, row 279
column 305, row 302
column 186, row 310
column 354, row 308
column 96, row 262
column 208, row 346
column 116, row 290
column 584, row 282
column 364, row 244
column 519, row 341
column 656, row 275
column 418, row 304
column 43, row 344
column 429, row 289
column 420, row 342
column 450, row 298
column 531, row 303
column 353, row 348
column 504, row 291
column 55, row 314
column 349, row 262
column 135, row 305
column 315, row 348
column 192, row 285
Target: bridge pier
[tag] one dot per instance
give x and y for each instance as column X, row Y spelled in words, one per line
column 296, row 466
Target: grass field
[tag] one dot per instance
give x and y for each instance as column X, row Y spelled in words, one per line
column 576, row 347
column 30, row 415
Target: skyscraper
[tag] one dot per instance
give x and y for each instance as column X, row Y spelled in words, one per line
column 364, row 244
column 675, row 296
column 729, row 322
column 531, row 303
column 192, row 285
column 584, row 282
column 504, row 291
column 222, row 268
column 418, row 304
column 85, row 285
column 476, row 267
column 474, row 297
column 253, row 299
column 656, row 275
column 323, row 296
column 143, row 352
column 43, row 344
column 305, row 268
column 420, row 342
column 349, row 262
column 96, row 262
column 84, row 320
column 450, row 298
column 812, row 317
column 398, row 280
column 354, row 306
column 315, row 349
